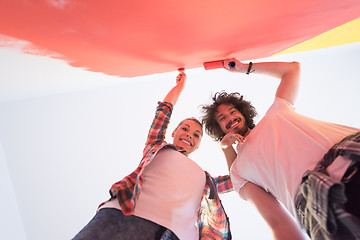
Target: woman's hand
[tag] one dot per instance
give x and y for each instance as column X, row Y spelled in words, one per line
column 175, row 92
column 181, row 78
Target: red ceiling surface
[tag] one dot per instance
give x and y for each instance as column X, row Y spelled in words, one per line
column 139, row 37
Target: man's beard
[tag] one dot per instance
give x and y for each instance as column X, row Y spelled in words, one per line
column 243, row 130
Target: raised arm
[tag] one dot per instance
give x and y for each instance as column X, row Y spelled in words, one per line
column 282, row 225
column 175, row 92
column 159, row 125
column 288, row 72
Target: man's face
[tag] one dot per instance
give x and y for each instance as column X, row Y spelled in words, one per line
column 230, row 119
column 187, row 136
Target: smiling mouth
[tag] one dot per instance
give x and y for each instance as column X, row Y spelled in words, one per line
column 186, row 142
column 233, row 123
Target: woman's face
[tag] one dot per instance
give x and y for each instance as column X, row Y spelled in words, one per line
column 187, row 136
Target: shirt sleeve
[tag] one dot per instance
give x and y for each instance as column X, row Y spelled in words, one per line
column 223, row 184
column 159, row 125
column 280, row 104
column 237, row 180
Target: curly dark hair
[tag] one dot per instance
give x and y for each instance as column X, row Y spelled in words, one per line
column 212, row 128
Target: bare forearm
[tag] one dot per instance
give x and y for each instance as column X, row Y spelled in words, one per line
column 173, row 94
column 230, row 155
column 287, row 231
column 275, row 69
column 281, row 223
column 284, row 226
column 226, row 145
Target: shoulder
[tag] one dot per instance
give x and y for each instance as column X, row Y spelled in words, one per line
column 280, row 104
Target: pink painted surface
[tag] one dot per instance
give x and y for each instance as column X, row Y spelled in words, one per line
column 137, row 37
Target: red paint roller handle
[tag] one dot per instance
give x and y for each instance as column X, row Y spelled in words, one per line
column 213, row 64
column 217, row 64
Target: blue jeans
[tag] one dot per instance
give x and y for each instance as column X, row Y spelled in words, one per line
column 112, row 224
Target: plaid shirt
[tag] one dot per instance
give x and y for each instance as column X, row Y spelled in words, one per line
column 212, row 220
column 320, row 203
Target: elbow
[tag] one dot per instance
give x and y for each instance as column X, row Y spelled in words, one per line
column 291, row 69
column 295, row 66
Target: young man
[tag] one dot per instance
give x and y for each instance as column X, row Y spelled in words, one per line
column 283, row 157
column 168, row 196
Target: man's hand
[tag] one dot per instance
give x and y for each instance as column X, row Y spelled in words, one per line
column 234, row 65
column 231, row 138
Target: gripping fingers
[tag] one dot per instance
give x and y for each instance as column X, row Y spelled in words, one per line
column 239, row 138
column 230, row 63
column 230, row 139
column 180, row 77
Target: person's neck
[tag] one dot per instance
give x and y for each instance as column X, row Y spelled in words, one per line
column 247, row 133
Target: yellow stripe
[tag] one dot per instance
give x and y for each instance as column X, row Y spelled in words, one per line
column 344, row 34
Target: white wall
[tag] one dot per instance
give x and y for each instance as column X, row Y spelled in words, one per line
column 63, row 153
column 11, row 226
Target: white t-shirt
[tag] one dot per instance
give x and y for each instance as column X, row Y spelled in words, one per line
column 171, row 193
column 279, row 150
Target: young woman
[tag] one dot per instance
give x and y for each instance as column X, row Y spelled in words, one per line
column 168, row 196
